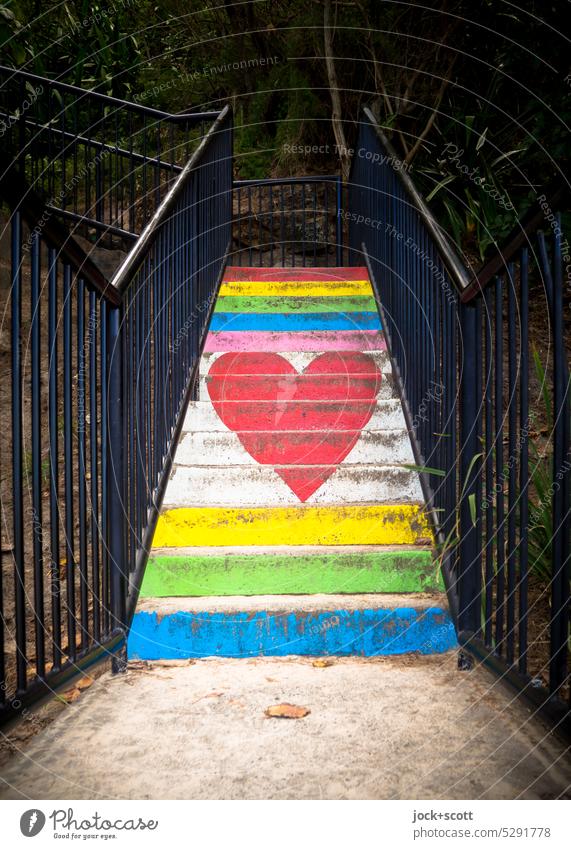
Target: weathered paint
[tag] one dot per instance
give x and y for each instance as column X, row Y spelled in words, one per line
column 342, row 571
column 290, row 304
column 382, row 447
column 277, row 486
column 368, row 524
column 337, row 362
column 325, row 273
column 293, row 322
column 296, row 289
column 341, row 340
column 272, row 388
column 337, row 632
column 303, row 415
column 386, row 415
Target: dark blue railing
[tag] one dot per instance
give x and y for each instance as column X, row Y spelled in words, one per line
column 100, row 163
column 288, row 221
column 460, row 347
column 102, row 364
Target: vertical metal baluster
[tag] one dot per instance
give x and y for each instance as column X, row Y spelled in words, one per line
column 17, row 454
column 260, row 228
column 250, row 225
column 69, row 461
column 157, row 167
column 63, row 194
column 498, row 440
column 94, row 466
column 469, row 614
column 132, row 182
column 303, row 224
column 55, row 584
column 82, row 464
column 326, row 222
column 489, row 466
column 104, row 414
column 75, row 154
column 271, row 226
column 293, row 223
column 145, row 166
column 118, row 171
column 339, row 221
column 37, row 519
column 115, row 459
column 512, row 466
column 100, row 172
column 524, row 461
column 282, row 224
column 559, row 630
column 314, row 225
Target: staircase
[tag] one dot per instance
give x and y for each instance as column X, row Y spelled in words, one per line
column 291, row 524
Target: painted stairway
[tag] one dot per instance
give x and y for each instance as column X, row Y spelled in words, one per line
column 291, row 524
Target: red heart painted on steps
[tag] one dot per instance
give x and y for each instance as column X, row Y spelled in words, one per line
column 303, row 424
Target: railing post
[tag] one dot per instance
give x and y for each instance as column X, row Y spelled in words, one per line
column 339, row 222
column 116, row 530
column 469, row 547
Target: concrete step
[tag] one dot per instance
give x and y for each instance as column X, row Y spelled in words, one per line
column 222, row 448
column 278, row 340
column 299, row 387
column 384, row 414
column 210, row 571
column 292, row 304
column 322, row 273
column 253, row 362
column 316, row 625
column 303, row 524
column 263, row 486
column 295, row 322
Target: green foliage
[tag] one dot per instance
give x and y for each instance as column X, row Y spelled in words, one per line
column 485, row 87
column 543, row 481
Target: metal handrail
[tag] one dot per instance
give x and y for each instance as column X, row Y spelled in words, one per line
column 22, row 198
column 157, row 114
column 459, row 274
column 129, row 268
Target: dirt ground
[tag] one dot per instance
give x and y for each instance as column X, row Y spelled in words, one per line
column 388, row 728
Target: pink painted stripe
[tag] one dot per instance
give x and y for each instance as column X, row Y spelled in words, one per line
column 235, row 273
column 341, row 340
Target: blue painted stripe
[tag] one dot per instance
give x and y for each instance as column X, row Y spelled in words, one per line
column 294, row 321
column 366, row 633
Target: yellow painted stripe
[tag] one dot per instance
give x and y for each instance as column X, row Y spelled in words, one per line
column 299, row 288
column 378, row 524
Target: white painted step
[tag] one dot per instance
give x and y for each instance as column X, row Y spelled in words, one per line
column 285, row 604
column 261, row 486
column 222, row 448
column 386, row 388
column 298, row 359
column 201, row 415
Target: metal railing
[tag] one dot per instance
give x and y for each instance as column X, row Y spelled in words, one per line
column 291, row 221
column 460, row 348
column 101, row 163
column 98, row 368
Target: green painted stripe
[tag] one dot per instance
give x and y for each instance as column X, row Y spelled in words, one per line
column 260, row 304
column 284, row 574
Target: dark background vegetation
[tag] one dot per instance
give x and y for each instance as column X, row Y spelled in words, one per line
column 488, row 78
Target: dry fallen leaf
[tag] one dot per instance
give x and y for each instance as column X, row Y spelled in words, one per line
column 286, row 711
column 70, row 695
column 321, row 663
column 84, row 683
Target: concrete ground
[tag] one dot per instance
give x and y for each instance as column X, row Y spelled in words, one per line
column 406, row 727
